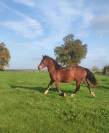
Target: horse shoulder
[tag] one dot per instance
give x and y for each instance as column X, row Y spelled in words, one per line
column 55, row 76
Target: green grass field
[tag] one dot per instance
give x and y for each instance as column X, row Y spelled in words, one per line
column 25, row 109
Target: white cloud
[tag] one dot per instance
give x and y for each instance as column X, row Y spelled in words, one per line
column 25, row 26
column 55, row 19
column 25, row 2
column 60, row 17
column 96, row 56
column 101, row 24
column 28, row 27
column 66, row 16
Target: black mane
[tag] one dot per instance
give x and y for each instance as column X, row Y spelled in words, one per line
column 56, row 64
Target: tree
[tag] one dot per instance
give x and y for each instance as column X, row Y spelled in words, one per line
column 4, row 56
column 71, row 52
column 95, row 69
column 106, row 70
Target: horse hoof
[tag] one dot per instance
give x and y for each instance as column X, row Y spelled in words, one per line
column 63, row 94
column 93, row 94
column 72, row 95
column 46, row 92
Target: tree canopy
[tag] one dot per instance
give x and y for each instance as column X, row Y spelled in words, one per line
column 106, row 70
column 71, row 51
column 4, row 56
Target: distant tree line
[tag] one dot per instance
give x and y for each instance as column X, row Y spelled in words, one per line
column 104, row 70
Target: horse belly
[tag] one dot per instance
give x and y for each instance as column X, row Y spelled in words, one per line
column 67, row 77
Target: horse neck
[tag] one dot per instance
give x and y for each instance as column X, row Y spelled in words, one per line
column 52, row 67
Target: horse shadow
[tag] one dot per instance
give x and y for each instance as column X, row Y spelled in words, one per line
column 37, row 89
column 104, row 87
column 43, row 89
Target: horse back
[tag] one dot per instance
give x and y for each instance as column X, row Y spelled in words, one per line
column 71, row 73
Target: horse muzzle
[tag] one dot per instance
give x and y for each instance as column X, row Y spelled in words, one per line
column 40, row 67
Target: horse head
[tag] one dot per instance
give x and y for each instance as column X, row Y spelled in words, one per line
column 43, row 63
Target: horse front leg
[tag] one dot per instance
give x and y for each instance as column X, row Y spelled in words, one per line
column 61, row 93
column 49, row 85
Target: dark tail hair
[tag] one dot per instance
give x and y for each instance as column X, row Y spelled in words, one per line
column 91, row 78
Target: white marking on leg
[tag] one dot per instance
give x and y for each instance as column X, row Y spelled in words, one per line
column 93, row 94
column 46, row 92
column 65, row 94
column 72, row 95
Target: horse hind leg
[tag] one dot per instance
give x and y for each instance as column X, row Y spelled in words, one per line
column 77, row 88
column 91, row 92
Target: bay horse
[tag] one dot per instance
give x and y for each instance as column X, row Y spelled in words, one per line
column 60, row 74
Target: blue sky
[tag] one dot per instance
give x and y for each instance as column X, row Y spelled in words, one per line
column 32, row 28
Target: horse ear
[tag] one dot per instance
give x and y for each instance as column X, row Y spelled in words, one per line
column 44, row 56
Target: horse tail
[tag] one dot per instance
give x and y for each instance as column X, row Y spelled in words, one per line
column 90, row 78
